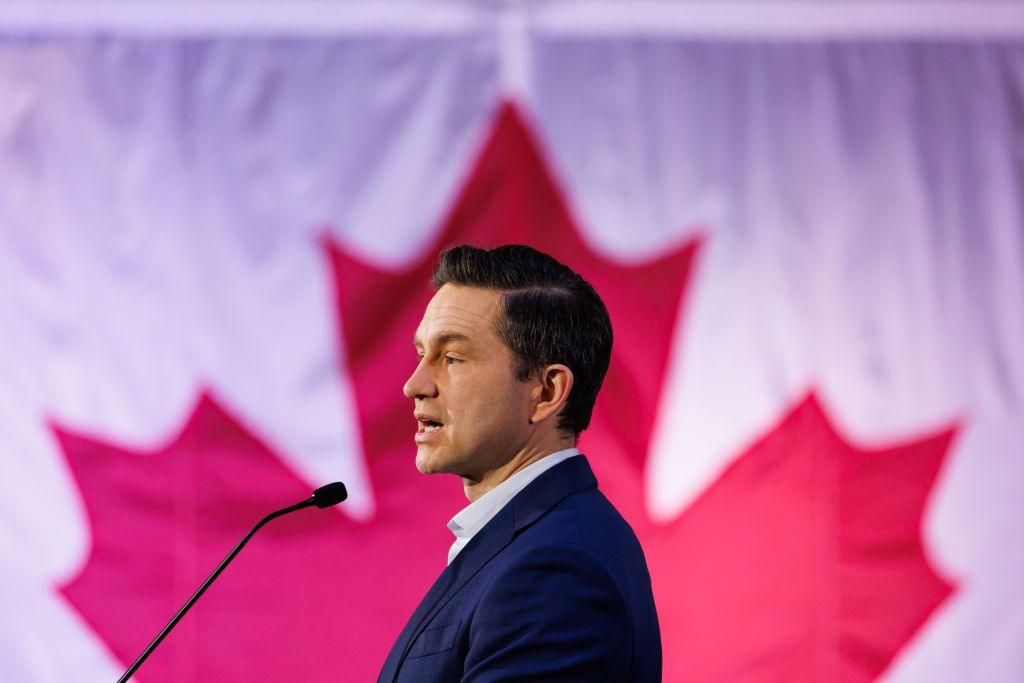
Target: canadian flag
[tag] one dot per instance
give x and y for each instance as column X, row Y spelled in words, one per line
column 216, row 232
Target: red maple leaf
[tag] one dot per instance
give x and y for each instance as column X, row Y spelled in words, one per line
column 313, row 597
column 827, row 550
column 802, row 561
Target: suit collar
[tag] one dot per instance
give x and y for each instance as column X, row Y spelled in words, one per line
column 468, row 521
column 529, row 505
column 564, row 479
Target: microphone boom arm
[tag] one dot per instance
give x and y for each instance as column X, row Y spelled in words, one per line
column 322, row 497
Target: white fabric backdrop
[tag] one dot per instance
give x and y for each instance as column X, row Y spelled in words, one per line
column 160, row 199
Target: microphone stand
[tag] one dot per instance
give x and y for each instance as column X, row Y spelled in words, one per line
column 322, row 497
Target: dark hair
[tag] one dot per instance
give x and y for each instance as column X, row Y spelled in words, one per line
column 549, row 314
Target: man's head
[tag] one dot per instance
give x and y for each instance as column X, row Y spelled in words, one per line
column 513, row 349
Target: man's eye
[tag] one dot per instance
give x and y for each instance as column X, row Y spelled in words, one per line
column 450, row 359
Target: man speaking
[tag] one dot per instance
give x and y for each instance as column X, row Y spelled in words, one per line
column 545, row 580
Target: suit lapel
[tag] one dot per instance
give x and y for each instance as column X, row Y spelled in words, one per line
column 524, row 509
column 486, row 544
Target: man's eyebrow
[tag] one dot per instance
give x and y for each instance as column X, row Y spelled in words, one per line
column 443, row 338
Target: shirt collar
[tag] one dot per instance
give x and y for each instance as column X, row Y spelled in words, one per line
column 474, row 516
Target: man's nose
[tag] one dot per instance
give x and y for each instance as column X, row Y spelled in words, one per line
column 420, row 384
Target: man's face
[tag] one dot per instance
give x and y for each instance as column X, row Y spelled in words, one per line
column 473, row 413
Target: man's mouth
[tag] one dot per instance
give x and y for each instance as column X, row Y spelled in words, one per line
column 426, row 428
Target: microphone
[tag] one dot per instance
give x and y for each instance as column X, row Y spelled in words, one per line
column 327, row 495
column 323, row 497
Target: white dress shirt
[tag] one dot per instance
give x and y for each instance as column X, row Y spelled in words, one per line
column 474, row 516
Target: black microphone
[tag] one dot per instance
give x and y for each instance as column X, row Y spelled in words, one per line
column 323, row 497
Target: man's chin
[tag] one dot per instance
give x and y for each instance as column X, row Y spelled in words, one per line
column 430, row 461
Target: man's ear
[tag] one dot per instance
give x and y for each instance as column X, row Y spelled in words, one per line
column 554, row 382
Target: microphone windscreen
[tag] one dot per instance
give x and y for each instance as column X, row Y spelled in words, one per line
column 329, row 494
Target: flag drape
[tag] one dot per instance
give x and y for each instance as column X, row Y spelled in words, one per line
column 212, row 248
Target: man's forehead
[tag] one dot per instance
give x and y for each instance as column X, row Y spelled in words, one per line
column 459, row 312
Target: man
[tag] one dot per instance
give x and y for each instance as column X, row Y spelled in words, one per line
column 545, row 580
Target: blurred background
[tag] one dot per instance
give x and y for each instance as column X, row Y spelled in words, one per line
column 217, row 223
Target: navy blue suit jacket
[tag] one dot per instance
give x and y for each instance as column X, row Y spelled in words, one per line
column 553, row 588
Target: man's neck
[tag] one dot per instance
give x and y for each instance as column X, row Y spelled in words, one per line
column 521, row 460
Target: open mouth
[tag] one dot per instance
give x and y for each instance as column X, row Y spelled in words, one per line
column 426, row 428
